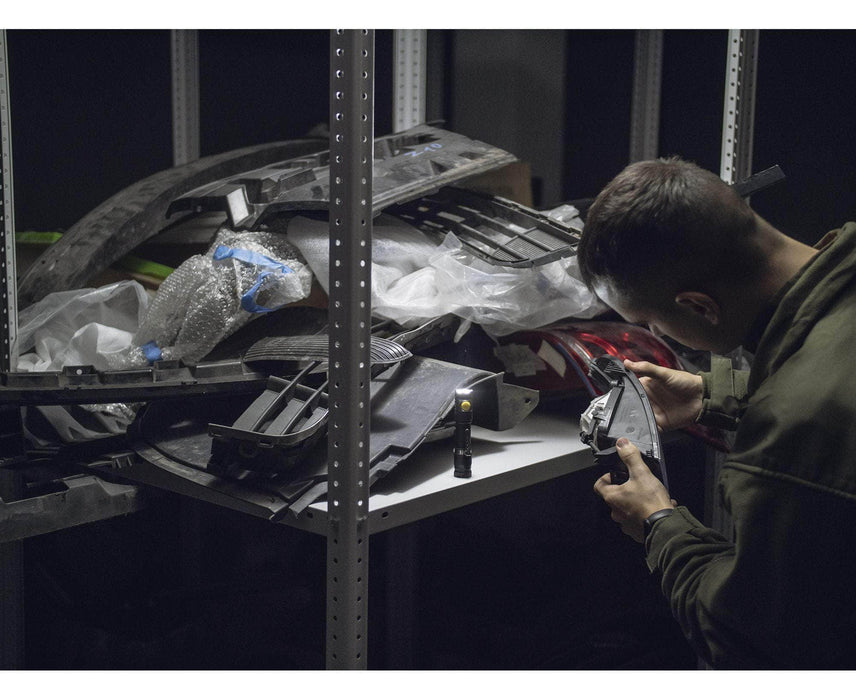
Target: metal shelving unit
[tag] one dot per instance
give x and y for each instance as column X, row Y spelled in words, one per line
column 351, row 145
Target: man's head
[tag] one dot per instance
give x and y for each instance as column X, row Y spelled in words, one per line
column 665, row 243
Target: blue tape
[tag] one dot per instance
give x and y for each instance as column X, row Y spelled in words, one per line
column 224, row 252
column 248, row 300
column 152, row 352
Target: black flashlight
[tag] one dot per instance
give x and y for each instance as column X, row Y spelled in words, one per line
column 463, row 423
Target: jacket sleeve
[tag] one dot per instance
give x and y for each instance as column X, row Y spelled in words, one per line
column 725, row 394
column 779, row 597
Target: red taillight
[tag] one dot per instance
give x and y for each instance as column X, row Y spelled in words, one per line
column 620, row 340
column 559, row 356
column 562, row 353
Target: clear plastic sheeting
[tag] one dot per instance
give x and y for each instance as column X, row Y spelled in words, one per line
column 566, row 214
column 414, row 279
column 505, row 300
column 80, row 327
column 210, row 296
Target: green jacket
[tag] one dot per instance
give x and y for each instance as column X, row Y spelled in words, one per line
column 782, row 594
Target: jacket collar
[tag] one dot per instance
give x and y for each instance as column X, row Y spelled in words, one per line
column 781, row 328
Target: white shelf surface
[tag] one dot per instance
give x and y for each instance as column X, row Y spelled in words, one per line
column 543, row 446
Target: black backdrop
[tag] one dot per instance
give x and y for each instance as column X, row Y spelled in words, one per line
column 91, row 110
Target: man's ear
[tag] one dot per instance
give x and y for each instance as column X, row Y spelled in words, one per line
column 701, row 304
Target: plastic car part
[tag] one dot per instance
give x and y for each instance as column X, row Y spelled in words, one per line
column 66, row 502
column 301, row 350
column 171, row 447
column 172, row 378
column 249, row 186
column 406, row 165
column 622, row 411
column 135, row 214
column 497, row 230
column 13, row 448
column 555, row 360
column 501, row 406
column 421, row 338
column 283, row 424
column 85, row 384
column 423, row 390
column 276, row 430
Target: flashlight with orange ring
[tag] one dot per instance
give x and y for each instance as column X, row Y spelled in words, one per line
column 463, row 455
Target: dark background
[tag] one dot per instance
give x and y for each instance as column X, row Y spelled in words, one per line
column 91, row 109
column 539, row 578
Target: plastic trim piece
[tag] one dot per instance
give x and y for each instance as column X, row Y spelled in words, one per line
column 134, row 215
column 497, row 230
column 406, row 165
column 74, row 500
column 623, row 411
column 84, row 384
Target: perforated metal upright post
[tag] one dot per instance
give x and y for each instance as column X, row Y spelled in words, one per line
column 184, row 45
column 738, row 119
column 738, row 116
column 645, row 107
column 409, row 84
column 11, row 554
column 9, row 310
column 351, row 157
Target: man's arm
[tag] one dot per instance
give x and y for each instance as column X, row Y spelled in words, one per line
column 778, row 598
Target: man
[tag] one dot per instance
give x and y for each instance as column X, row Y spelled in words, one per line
column 670, row 245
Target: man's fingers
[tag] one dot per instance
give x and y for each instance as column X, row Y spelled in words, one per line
column 630, row 455
column 602, row 483
column 644, row 368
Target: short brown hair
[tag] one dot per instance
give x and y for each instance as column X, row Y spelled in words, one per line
column 667, row 224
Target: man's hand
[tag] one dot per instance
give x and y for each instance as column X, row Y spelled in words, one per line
column 674, row 395
column 638, row 497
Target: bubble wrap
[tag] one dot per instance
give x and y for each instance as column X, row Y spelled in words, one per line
column 210, row 296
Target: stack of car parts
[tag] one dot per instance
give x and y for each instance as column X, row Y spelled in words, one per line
column 243, row 427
